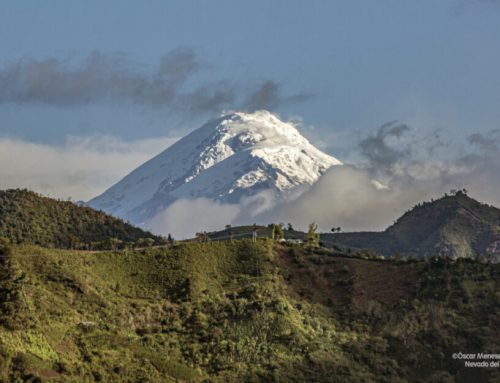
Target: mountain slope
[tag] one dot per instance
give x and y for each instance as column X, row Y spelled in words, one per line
column 26, row 216
column 242, row 312
column 455, row 226
column 233, row 156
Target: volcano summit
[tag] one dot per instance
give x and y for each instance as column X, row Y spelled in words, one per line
column 234, row 156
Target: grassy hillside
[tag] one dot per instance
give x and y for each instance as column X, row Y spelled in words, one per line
column 241, row 312
column 455, row 226
column 29, row 217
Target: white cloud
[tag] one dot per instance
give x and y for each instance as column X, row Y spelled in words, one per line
column 81, row 168
column 185, row 217
column 347, row 196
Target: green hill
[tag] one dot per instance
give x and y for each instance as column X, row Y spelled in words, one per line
column 26, row 216
column 237, row 311
column 454, row 226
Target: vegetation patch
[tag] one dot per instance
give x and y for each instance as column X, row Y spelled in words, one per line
column 242, row 311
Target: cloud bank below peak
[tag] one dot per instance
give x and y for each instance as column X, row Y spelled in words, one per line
column 346, row 196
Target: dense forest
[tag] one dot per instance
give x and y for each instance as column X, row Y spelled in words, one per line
column 26, row 216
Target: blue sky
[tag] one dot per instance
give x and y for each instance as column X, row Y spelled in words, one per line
column 343, row 67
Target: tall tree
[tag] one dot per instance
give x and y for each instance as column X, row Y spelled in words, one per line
column 313, row 235
column 279, row 231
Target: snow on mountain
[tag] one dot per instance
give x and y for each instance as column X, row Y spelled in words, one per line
column 230, row 157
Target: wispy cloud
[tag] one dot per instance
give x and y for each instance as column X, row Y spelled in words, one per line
column 346, row 196
column 377, row 148
column 175, row 83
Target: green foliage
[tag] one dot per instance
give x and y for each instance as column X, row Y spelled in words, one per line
column 13, row 309
column 241, row 312
column 454, row 226
column 312, row 235
column 277, row 231
column 29, row 217
column 5, row 248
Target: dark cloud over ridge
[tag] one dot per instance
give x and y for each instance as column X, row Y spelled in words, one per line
column 174, row 83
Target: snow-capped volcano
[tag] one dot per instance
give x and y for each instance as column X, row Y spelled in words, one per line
column 230, row 157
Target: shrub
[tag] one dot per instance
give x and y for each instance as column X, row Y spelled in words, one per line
column 5, row 249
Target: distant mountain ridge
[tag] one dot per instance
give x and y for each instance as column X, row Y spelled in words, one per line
column 28, row 217
column 455, row 226
column 226, row 159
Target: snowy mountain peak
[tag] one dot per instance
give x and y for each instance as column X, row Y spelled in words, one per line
column 236, row 155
